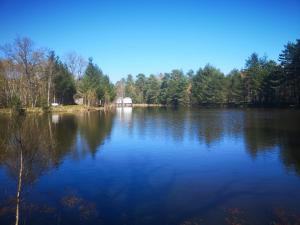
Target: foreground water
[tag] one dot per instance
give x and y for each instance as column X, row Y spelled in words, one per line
column 152, row 166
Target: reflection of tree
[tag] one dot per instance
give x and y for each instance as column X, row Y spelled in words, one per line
column 259, row 131
column 26, row 138
column 23, row 153
column 63, row 136
column 158, row 122
column 213, row 124
column 290, row 152
column 31, row 145
column 210, row 125
column 44, row 142
column 264, row 130
column 94, row 127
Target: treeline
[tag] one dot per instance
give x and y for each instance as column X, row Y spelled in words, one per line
column 31, row 77
column 261, row 82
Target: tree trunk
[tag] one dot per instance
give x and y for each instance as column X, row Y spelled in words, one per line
column 19, row 189
column 48, row 93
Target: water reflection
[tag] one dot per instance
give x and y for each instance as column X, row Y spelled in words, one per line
column 55, row 118
column 26, row 153
column 159, row 165
column 94, row 128
column 274, row 129
column 32, row 145
column 48, row 139
column 35, row 138
column 124, row 114
column 261, row 130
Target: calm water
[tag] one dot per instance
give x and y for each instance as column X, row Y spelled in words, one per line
column 153, row 166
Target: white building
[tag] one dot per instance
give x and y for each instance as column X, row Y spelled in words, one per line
column 54, row 104
column 124, row 101
column 78, row 101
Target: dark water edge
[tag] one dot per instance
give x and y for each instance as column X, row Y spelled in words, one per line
column 247, row 105
column 80, row 108
column 153, row 166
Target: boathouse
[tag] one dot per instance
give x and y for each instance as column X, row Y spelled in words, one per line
column 124, row 102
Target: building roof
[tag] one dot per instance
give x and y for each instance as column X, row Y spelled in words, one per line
column 126, row 100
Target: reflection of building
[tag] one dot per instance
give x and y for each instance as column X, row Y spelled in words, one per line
column 121, row 102
column 125, row 113
column 55, row 118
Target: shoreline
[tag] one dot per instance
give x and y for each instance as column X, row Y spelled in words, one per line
column 82, row 108
column 73, row 108
column 147, row 105
column 57, row 109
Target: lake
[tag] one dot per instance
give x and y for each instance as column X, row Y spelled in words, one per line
column 152, row 166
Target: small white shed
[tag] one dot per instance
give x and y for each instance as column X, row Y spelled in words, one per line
column 127, row 101
column 124, row 101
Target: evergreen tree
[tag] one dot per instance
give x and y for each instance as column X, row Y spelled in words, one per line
column 107, row 92
column 177, row 91
column 130, row 89
column 152, row 90
column 90, row 84
column 257, row 78
column 140, row 85
column 234, row 87
column 290, row 61
column 207, row 86
column 163, row 94
column 64, row 85
column 271, row 86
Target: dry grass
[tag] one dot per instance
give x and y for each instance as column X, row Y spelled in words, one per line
column 57, row 109
column 5, row 111
column 147, row 105
column 75, row 108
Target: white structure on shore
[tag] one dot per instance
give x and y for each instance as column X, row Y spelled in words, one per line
column 78, row 101
column 124, row 102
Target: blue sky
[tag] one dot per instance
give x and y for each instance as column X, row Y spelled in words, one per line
column 155, row 36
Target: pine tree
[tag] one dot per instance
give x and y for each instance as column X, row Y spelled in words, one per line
column 208, row 86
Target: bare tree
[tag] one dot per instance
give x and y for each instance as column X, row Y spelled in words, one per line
column 76, row 63
column 50, row 70
column 120, row 88
column 28, row 62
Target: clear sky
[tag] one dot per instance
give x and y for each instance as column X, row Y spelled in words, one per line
column 155, row 36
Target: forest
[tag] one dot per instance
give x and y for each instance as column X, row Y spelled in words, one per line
column 36, row 77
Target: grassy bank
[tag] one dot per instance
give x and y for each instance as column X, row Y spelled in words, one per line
column 72, row 108
column 57, row 109
column 82, row 108
column 75, row 108
column 147, row 105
